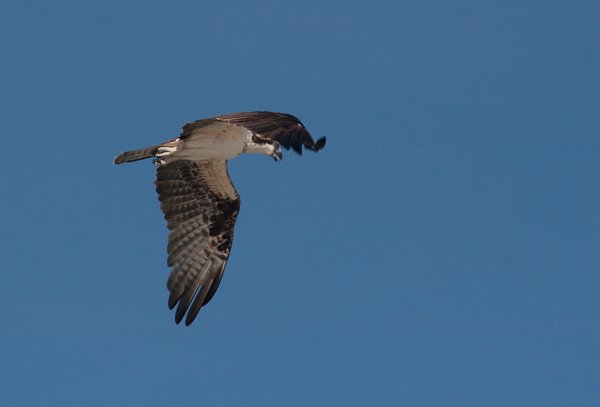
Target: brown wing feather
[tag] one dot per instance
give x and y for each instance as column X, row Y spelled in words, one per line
column 201, row 206
column 284, row 128
column 189, row 128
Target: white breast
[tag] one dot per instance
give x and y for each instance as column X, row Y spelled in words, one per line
column 219, row 140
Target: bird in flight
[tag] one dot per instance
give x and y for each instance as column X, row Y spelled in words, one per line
column 198, row 199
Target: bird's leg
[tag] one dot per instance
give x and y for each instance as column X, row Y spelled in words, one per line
column 162, row 152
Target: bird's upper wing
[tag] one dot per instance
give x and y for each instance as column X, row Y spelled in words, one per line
column 284, row 128
column 201, row 206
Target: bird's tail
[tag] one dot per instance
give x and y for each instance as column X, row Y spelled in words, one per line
column 135, row 155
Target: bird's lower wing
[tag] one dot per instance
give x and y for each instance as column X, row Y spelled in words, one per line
column 201, row 206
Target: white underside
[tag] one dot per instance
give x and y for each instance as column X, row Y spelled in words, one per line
column 220, row 140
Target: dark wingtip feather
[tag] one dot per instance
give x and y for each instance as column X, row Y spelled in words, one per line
column 184, row 304
column 297, row 147
column 173, row 299
column 316, row 146
column 198, row 303
column 320, row 143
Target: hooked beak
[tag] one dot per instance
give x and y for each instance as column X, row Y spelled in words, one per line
column 277, row 155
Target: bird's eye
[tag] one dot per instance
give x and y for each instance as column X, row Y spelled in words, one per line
column 276, row 145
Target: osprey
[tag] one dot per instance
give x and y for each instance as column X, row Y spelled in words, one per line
column 198, row 199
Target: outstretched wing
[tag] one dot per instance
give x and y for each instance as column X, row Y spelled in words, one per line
column 284, row 128
column 201, row 206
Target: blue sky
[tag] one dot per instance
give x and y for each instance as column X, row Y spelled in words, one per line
column 442, row 250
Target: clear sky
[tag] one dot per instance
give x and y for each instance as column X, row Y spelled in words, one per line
column 442, row 250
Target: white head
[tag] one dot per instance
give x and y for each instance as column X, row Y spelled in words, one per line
column 259, row 145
